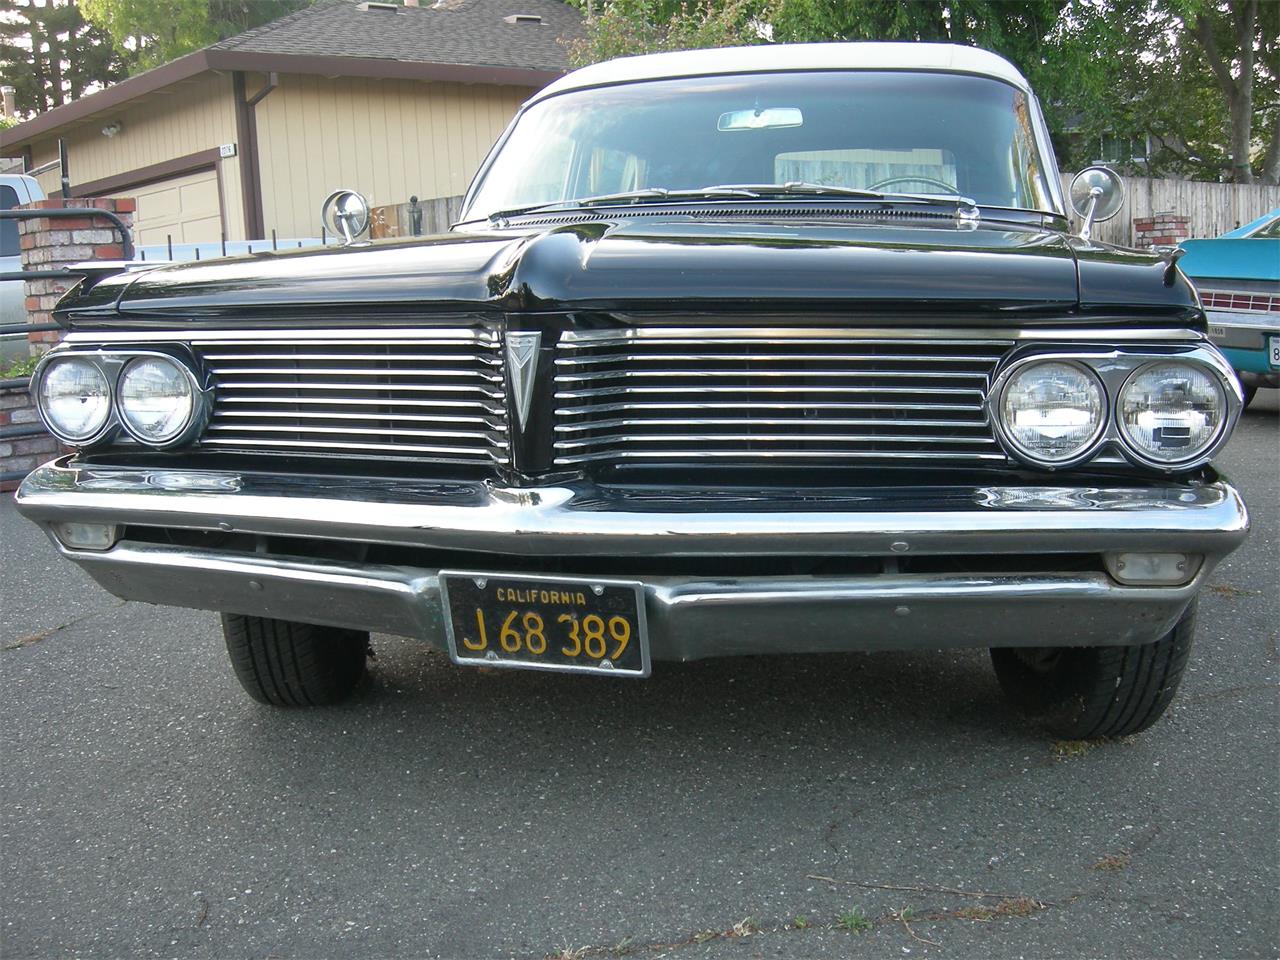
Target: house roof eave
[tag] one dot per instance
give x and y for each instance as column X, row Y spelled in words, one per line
column 14, row 139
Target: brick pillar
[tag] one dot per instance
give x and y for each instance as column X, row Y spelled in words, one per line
column 1160, row 229
column 49, row 243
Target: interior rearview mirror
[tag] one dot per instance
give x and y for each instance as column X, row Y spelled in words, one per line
column 770, row 118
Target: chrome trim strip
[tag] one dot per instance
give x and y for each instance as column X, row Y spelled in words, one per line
column 346, row 431
column 807, row 455
column 384, row 387
column 769, row 406
column 489, row 423
column 755, row 422
column 778, row 357
column 629, row 439
column 417, row 336
column 603, row 375
column 480, row 452
column 383, row 372
column 266, row 354
column 362, row 401
column 613, row 391
column 941, row 336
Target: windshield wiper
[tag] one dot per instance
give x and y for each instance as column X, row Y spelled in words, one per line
column 805, row 187
column 630, row 196
column 752, row 191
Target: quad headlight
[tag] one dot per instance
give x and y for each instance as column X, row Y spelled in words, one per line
column 74, row 399
column 1058, row 408
column 1052, row 411
column 86, row 398
column 156, row 399
column 1171, row 412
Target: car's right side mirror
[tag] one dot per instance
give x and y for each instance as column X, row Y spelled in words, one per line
column 1097, row 194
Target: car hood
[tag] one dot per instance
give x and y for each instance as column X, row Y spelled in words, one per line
column 664, row 264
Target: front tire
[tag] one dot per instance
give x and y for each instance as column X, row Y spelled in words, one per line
column 287, row 664
column 1080, row 693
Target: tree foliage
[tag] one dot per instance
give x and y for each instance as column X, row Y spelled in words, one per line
column 51, row 55
column 160, row 32
column 1199, row 78
column 626, row 27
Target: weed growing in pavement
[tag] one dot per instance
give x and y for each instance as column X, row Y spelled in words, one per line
column 853, row 920
column 744, row 927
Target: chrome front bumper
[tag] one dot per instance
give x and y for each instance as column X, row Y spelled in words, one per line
column 689, row 616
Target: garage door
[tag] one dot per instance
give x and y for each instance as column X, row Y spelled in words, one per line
column 185, row 208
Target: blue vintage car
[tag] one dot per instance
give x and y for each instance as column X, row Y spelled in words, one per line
column 1238, row 276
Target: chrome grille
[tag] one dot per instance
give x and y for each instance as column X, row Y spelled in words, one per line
column 413, row 394
column 748, row 395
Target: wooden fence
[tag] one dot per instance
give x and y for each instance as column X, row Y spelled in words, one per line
column 400, row 219
column 1214, row 208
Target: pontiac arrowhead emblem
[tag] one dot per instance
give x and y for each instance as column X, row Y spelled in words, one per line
column 522, row 364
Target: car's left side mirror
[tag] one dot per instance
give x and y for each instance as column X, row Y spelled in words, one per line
column 345, row 214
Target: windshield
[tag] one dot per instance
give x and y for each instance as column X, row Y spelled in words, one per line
column 886, row 131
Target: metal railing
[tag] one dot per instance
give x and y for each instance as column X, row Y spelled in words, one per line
column 65, row 213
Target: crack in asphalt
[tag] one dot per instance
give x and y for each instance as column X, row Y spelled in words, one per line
column 29, row 639
column 1008, row 907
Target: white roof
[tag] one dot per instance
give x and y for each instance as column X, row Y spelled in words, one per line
column 941, row 57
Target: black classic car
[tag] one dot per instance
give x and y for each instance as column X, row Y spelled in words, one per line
column 782, row 350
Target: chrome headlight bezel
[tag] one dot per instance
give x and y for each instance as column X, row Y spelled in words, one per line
column 110, row 362
column 1114, row 366
column 48, row 363
column 1131, row 447
column 1020, row 367
column 184, row 433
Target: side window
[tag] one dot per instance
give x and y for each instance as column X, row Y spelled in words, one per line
column 1269, row 231
column 8, row 228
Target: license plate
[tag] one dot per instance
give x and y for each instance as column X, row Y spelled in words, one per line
column 1273, row 350
column 546, row 623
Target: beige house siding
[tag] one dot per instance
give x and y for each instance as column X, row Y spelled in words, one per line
column 190, row 117
column 389, row 139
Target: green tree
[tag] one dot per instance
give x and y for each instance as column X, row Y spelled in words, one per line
column 1015, row 28
column 627, row 27
column 51, row 55
column 163, row 31
column 1199, row 78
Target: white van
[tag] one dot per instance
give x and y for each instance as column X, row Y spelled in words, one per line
column 15, row 190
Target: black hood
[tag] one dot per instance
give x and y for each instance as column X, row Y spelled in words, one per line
column 670, row 264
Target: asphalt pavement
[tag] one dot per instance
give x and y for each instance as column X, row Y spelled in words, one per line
column 838, row 806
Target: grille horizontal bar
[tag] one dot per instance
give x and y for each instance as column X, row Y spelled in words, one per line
column 726, row 395
column 429, row 395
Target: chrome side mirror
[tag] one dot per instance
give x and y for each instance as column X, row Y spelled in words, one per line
column 1097, row 194
column 345, row 214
